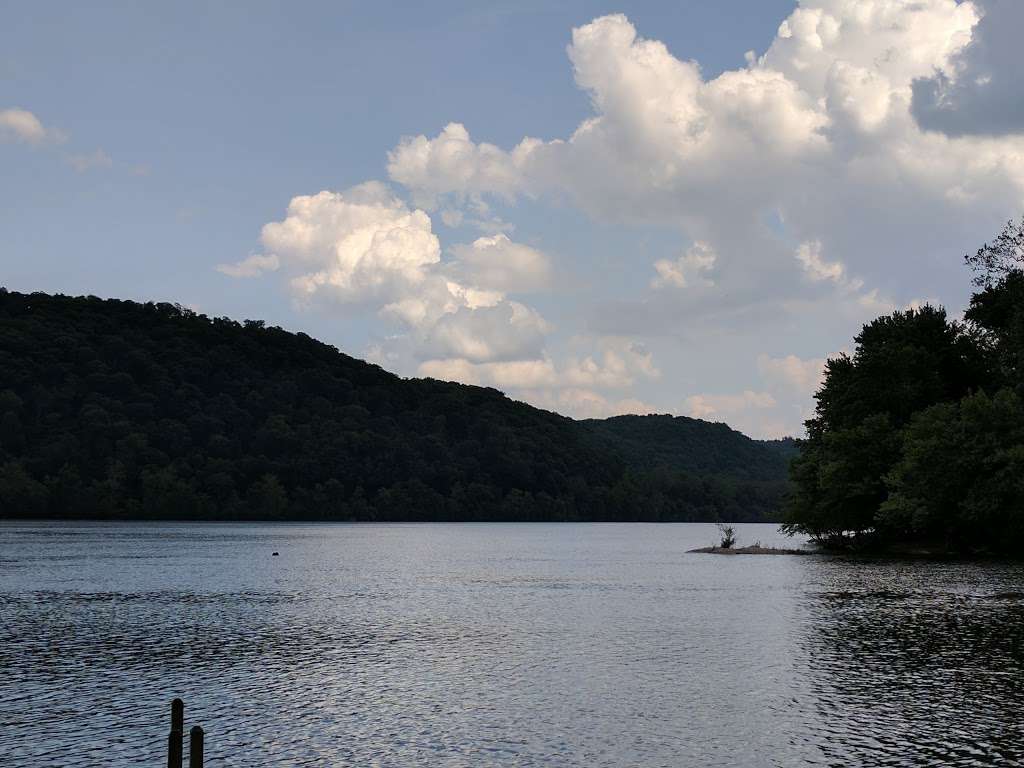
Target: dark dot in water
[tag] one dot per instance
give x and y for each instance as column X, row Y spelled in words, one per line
column 274, row 555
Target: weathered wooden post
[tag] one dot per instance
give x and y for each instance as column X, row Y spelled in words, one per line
column 174, row 750
column 174, row 739
column 195, row 747
column 178, row 715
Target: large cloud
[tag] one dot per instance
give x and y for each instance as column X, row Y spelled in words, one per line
column 818, row 187
column 816, row 134
column 507, row 330
column 354, row 245
column 500, row 264
column 816, row 196
column 365, row 249
column 980, row 91
column 595, row 384
column 451, row 164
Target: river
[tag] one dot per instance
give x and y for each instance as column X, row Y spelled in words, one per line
column 497, row 645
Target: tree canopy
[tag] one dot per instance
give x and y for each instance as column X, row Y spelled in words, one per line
column 115, row 409
column 919, row 435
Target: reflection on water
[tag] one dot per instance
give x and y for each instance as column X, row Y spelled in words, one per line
column 916, row 669
column 504, row 645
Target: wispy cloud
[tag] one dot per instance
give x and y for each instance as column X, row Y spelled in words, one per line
column 20, row 125
column 97, row 159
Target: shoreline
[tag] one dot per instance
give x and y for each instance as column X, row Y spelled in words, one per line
column 754, row 549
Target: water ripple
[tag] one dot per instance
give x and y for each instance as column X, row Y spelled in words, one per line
column 573, row 645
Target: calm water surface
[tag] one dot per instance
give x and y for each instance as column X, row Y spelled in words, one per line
column 497, row 645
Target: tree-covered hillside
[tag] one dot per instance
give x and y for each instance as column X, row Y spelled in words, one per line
column 691, row 445
column 115, row 409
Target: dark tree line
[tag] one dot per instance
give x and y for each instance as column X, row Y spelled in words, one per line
column 919, row 435
column 114, row 409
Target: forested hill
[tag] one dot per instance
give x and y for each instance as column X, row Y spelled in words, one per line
column 114, row 409
column 691, row 445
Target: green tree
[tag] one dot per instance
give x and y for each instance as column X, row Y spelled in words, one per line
column 996, row 313
column 21, row 495
column 961, row 478
column 902, row 363
column 12, row 435
column 267, row 498
column 167, row 495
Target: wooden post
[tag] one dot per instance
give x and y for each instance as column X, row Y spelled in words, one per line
column 178, row 715
column 174, row 739
column 195, row 748
column 174, row 755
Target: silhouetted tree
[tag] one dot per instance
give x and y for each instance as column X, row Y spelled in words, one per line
column 1005, row 254
column 920, row 434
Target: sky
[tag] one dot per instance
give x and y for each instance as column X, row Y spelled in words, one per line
column 596, row 207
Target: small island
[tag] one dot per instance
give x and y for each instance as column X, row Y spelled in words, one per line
column 753, row 549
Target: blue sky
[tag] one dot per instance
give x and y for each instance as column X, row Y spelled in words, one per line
column 716, row 229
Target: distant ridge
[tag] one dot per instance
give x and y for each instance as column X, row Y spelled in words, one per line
column 116, row 409
column 691, row 445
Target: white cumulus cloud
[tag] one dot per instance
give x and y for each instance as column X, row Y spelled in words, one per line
column 815, row 267
column 501, row 264
column 20, row 125
column 364, row 248
column 689, row 269
column 816, row 133
column 452, row 164
column 506, row 331
column 251, row 266
column 820, row 185
column 579, row 385
column 795, row 373
column 353, row 245
column 709, row 406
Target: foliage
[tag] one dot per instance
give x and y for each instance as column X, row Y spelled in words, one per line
column 919, row 435
column 113, row 409
column 698, row 446
column 997, row 316
column 746, row 476
column 993, row 261
column 902, row 363
column 960, row 480
column 726, row 536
